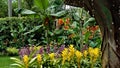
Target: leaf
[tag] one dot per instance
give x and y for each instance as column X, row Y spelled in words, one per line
column 24, row 11
column 92, row 44
column 34, row 29
column 42, row 4
column 60, row 14
column 76, row 16
column 17, row 61
column 87, row 36
column 70, row 31
column 90, row 20
column 74, row 24
column 50, row 33
column 58, row 31
column 17, row 65
column 32, row 60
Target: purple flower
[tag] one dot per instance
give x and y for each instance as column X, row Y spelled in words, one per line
column 24, row 51
column 41, row 50
column 61, row 48
column 55, row 48
column 48, row 49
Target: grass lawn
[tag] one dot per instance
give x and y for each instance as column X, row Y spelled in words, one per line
column 5, row 62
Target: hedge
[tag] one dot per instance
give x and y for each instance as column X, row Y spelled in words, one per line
column 18, row 32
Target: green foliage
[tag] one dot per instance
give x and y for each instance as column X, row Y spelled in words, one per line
column 20, row 64
column 12, row 51
column 15, row 31
column 28, row 4
column 46, row 9
column 42, row 4
column 3, row 8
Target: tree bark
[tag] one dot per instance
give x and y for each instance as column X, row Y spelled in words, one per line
column 10, row 8
column 107, row 15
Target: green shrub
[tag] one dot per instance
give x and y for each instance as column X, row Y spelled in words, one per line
column 17, row 32
column 12, row 51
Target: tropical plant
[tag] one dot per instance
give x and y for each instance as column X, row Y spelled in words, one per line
column 69, row 57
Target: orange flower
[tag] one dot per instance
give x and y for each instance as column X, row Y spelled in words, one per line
column 71, row 35
column 66, row 27
column 67, row 21
column 84, row 32
column 60, row 22
column 91, row 37
column 88, row 28
column 94, row 28
column 97, row 27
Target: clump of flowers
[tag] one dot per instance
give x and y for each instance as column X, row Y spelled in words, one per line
column 71, row 52
column 78, row 55
column 39, row 58
column 67, row 57
column 64, row 55
column 94, row 53
column 52, row 56
column 26, row 60
column 85, row 53
column 65, row 22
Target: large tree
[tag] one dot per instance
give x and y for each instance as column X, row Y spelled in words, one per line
column 107, row 15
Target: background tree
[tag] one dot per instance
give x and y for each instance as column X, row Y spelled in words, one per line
column 28, row 4
column 3, row 8
column 107, row 15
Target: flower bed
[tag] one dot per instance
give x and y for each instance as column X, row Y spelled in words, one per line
column 58, row 57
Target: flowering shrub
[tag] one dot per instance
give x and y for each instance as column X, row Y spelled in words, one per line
column 62, row 58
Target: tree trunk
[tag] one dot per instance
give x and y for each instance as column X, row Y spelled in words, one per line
column 10, row 8
column 107, row 15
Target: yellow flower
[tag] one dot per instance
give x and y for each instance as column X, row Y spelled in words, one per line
column 52, row 56
column 25, row 60
column 78, row 55
column 38, row 47
column 71, row 49
column 39, row 58
column 85, row 53
column 64, row 55
column 94, row 53
column 71, row 52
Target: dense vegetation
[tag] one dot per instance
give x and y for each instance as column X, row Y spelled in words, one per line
column 51, row 28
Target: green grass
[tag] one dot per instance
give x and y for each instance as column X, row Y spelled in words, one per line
column 5, row 62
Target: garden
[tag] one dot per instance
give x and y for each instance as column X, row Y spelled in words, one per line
column 49, row 34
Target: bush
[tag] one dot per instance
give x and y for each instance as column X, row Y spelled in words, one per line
column 12, row 51
column 17, row 32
